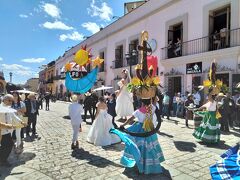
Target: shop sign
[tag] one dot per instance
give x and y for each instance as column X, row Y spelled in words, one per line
column 194, row 68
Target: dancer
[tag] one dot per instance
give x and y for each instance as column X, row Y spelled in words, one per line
column 124, row 102
column 150, row 150
column 209, row 130
column 99, row 133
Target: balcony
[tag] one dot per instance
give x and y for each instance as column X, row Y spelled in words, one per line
column 226, row 39
column 50, row 80
column 55, row 78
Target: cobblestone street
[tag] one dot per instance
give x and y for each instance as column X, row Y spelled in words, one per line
column 50, row 157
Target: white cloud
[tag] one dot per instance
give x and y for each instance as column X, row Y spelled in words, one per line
column 33, row 60
column 91, row 26
column 1, row 59
column 18, row 69
column 104, row 12
column 52, row 10
column 56, row 25
column 23, row 16
column 74, row 36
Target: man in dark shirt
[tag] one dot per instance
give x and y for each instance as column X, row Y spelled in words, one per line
column 47, row 99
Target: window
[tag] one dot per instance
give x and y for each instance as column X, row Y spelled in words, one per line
column 219, row 24
column 133, row 46
column 175, row 36
column 118, row 57
column 101, row 55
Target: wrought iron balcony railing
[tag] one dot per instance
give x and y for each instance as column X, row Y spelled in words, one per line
column 224, row 39
column 117, row 64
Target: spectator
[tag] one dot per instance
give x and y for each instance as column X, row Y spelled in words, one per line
column 188, row 104
column 88, row 106
column 6, row 121
column 179, row 99
column 40, row 101
column 174, row 104
column 75, row 113
column 178, row 47
column 111, row 104
column 47, row 100
column 32, row 112
column 166, row 101
column 196, row 98
column 18, row 134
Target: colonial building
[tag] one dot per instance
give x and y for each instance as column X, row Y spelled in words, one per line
column 49, row 77
column 2, row 83
column 185, row 36
column 32, row 84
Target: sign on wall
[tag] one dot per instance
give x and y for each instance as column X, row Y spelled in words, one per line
column 194, row 68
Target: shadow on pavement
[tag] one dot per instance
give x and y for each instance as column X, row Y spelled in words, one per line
column 164, row 134
column 220, row 145
column 133, row 173
column 66, row 117
column 115, row 147
column 94, row 160
column 185, row 146
column 18, row 160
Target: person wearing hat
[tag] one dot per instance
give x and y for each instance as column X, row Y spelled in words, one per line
column 75, row 112
column 6, row 128
column 32, row 112
column 209, row 129
column 188, row 104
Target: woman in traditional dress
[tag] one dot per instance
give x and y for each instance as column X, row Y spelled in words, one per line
column 149, row 147
column 209, row 129
column 124, row 102
column 99, row 133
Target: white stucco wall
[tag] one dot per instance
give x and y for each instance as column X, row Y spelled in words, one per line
column 155, row 16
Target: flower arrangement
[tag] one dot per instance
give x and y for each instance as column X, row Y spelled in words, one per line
column 144, row 87
column 211, row 83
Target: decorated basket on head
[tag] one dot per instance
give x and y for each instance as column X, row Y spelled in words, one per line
column 144, row 85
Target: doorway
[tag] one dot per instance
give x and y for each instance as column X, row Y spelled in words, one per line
column 174, row 85
column 224, row 77
column 175, row 39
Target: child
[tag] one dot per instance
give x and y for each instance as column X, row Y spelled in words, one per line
column 75, row 113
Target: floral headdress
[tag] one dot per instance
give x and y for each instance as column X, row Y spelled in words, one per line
column 211, row 83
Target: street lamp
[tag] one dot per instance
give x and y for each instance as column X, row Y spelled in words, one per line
column 10, row 74
column 131, row 57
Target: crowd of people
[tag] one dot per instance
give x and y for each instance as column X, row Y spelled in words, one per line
column 15, row 126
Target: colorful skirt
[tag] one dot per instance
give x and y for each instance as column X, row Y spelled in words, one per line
column 209, row 129
column 229, row 167
column 150, row 150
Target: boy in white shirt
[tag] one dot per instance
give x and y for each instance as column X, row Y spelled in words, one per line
column 75, row 113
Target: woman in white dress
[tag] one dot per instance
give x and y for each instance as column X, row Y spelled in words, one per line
column 99, row 133
column 124, row 101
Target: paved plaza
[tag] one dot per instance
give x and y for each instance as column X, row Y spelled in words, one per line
column 50, row 157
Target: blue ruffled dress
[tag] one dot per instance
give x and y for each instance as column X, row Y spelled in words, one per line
column 150, row 151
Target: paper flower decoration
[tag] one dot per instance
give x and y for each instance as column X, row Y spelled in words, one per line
column 148, row 81
column 207, row 83
column 219, row 83
column 97, row 61
column 135, row 81
column 68, row 67
column 156, row 80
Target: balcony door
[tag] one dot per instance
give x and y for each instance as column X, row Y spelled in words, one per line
column 119, row 56
column 175, row 37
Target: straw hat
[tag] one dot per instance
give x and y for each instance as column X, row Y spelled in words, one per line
column 31, row 95
column 220, row 94
column 88, row 94
column 74, row 98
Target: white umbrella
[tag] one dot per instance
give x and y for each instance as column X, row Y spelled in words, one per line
column 102, row 88
column 26, row 91
column 4, row 109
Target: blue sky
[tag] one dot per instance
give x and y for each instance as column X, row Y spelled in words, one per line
column 36, row 32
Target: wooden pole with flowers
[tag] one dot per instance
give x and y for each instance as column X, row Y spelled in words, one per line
column 145, row 85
